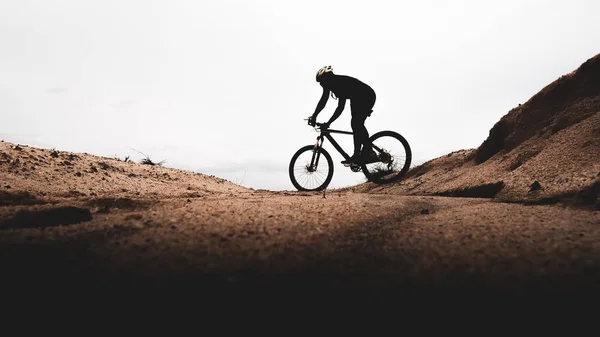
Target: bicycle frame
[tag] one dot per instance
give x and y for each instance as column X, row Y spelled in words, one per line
column 327, row 134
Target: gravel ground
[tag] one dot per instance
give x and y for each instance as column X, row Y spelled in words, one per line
column 359, row 248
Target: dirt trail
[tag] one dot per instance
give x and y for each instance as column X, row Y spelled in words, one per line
column 291, row 247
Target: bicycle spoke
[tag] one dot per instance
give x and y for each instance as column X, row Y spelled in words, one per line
column 301, row 178
column 316, row 180
column 321, row 173
column 306, row 179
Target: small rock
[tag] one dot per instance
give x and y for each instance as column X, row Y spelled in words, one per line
column 54, row 154
column 173, row 227
column 7, row 187
column 17, row 147
column 131, row 175
column 78, row 174
column 425, row 211
column 535, row 186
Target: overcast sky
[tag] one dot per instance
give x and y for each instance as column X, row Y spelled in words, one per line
column 222, row 87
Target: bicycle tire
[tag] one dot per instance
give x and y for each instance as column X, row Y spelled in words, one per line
column 293, row 165
column 376, row 178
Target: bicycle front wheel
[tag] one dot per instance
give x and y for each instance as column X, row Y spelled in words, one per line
column 394, row 158
column 311, row 169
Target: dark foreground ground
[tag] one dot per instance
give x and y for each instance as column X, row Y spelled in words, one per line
column 281, row 251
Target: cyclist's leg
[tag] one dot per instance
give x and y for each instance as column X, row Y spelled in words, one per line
column 360, row 133
column 360, row 111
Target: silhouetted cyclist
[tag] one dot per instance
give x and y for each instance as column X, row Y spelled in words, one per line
column 362, row 100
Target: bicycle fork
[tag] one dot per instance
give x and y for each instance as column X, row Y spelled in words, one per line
column 316, row 154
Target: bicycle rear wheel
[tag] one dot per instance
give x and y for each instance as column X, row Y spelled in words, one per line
column 308, row 171
column 394, row 158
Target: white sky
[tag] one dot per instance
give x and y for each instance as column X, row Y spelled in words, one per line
column 222, row 87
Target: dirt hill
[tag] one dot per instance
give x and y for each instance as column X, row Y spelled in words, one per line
column 544, row 151
column 30, row 175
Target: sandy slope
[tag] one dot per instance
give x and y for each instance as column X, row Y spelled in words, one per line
column 564, row 166
column 52, row 174
column 551, row 142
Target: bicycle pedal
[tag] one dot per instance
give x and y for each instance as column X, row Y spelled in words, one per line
column 355, row 168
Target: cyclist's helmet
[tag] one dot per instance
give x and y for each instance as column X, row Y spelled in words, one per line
column 324, row 70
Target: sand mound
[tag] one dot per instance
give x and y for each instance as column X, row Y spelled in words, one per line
column 567, row 101
column 30, row 175
column 544, row 151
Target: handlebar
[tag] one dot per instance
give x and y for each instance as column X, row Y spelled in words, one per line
column 316, row 124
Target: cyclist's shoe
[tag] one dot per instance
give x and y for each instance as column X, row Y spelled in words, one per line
column 355, row 159
column 367, row 158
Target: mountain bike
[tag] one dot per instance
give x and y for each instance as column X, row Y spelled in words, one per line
column 311, row 167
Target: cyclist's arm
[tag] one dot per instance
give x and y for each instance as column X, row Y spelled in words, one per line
column 322, row 102
column 338, row 110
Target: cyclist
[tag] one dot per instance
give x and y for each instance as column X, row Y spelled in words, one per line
column 362, row 100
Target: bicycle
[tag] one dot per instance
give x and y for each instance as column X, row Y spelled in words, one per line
column 393, row 160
